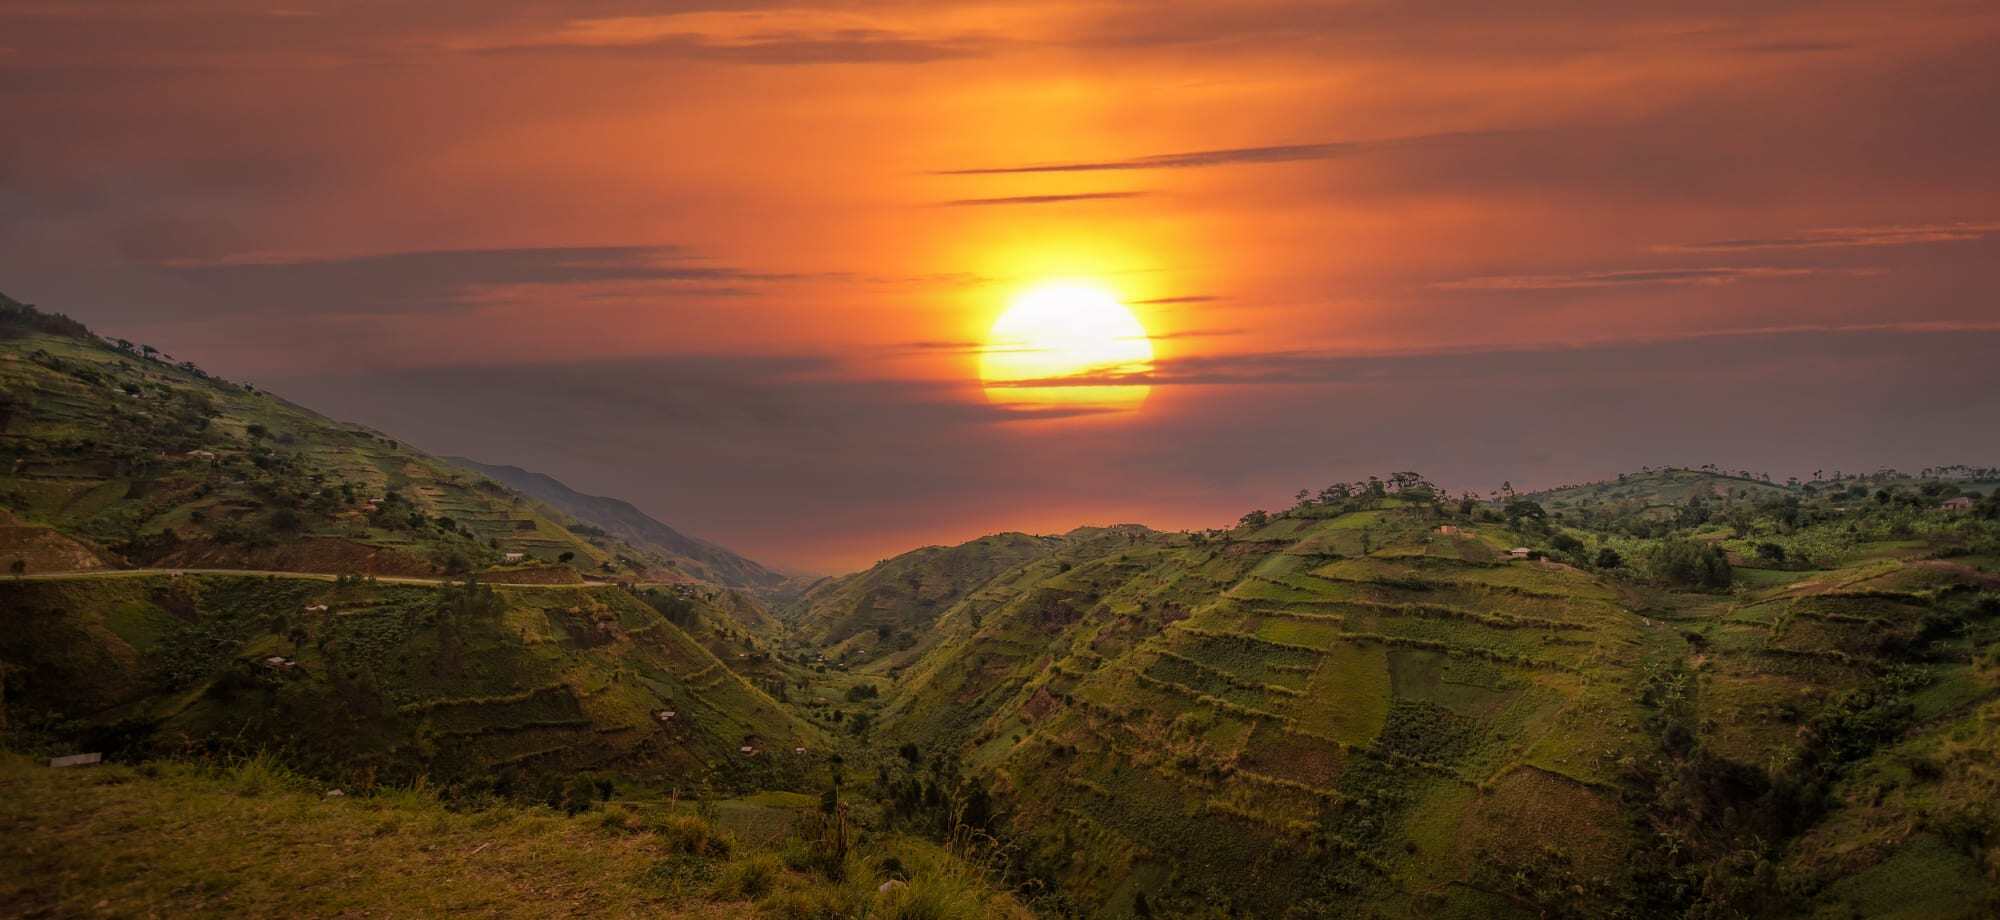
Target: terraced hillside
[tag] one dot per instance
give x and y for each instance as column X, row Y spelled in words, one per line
column 699, row 558
column 115, row 455
column 881, row 619
column 1349, row 708
column 893, row 603
column 510, row 689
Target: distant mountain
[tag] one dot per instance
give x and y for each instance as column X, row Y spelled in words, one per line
column 704, row 560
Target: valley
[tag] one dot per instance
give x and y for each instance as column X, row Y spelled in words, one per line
column 1685, row 692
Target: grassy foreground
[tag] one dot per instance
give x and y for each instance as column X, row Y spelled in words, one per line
column 171, row 839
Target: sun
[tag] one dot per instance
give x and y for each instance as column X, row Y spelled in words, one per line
column 1065, row 329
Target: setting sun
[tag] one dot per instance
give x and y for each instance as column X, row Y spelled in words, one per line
column 1065, row 333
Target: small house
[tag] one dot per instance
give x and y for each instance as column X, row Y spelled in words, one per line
column 513, row 557
column 665, row 715
column 1519, row 552
column 798, row 750
column 1447, row 530
column 748, row 749
column 1961, row 503
column 316, row 608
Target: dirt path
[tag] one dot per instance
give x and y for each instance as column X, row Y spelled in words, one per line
column 309, row 576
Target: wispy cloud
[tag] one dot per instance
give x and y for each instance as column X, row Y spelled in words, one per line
column 1196, row 334
column 1040, row 199
column 970, row 346
column 1621, row 279
column 775, row 37
column 438, row 279
column 1329, row 367
column 1184, row 298
column 1234, row 156
column 1847, row 237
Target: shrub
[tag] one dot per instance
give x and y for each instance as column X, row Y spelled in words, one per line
column 750, row 879
column 692, row 836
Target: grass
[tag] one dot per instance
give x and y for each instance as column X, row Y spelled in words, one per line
column 255, row 839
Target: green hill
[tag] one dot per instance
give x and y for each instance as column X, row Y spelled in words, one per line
column 888, row 615
column 699, row 558
column 1346, row 708
column 119, row 456
column 486, row 687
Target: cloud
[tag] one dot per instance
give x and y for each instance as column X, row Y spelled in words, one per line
column 753, row 36
column 1195, row 334
column 969, row 346
column 1184, row 298
column 1040, row 199
column 1234, row 156
column 1619, row 279
column 1846, row 237
column 1330, row 367
column 450, row 279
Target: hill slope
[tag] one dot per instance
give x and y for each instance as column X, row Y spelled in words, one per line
column 112, row 454
column 885, row 614
column 1346, row 708
column 513, row 687
column 699, row 558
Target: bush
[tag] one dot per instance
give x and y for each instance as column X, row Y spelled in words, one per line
column 693, row 836
column 750, row 879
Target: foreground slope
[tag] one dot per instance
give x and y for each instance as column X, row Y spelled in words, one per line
column 1371, row 705
column 255, row 840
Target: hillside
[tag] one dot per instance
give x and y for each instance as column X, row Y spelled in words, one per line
column 357, row 681
column 895, row 601
column 1346, row 707
column 888, row 611
column 698, row 558
column 116, row 455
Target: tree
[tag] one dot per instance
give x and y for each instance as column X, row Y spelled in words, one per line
column 1257, row 518
column 1691, row 564
column 1520, row 508
column 1771, row 552
column 18, row 567
column 565, row 556
column 1608, row 558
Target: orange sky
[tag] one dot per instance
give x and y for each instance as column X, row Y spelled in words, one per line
column 726, row 259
